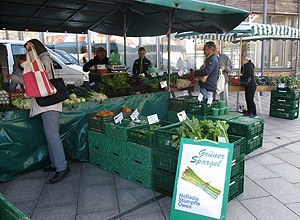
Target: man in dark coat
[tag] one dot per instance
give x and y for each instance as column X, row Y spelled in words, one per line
column 141, row 64
column 100, row 58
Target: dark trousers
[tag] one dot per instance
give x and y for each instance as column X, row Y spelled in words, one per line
column 249, row 94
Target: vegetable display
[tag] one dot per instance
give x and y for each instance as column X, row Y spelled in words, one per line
column 235, row 81
column 195, row 129
column 4, row 98
column 289, row 82
column 190, row 176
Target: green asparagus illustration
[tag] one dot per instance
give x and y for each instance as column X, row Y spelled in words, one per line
column 190, row 176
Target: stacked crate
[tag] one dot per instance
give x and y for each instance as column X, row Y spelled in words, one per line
column 250, row 128
column 284, row 104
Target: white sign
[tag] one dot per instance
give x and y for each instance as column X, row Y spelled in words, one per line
column 258, row 74
column 101, row 66
column 163, row 84
column 222, row 139
column 208, row 164
column 200, row 97
column 181, row 116
column 118, row 118
column 233, row 73
column 180, row 72
column 153, row 74
column 185, row 71
column 142, row 74
column 209, row 101
column 160, row 73
column 185, row 93
column 152, row 119
column 134, row 115
column 281, row 85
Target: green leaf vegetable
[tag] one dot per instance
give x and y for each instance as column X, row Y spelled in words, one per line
column 289, row 82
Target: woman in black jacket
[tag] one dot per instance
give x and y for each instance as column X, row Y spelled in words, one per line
column 248, row 80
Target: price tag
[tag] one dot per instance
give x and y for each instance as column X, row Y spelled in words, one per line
column 101, row 66
column 180, row 72
column 152, row 119
column 160, row 73
column 142, row 74
column 233, row 73
column 200, row 97
column 209, row 101
column 281, row 85
column 221, row 139
column 134, row 115
column 185, row 71
column 118, row 118
column 181, row 116
column 258, row 74
column 163, row 84
column 185, row 93
column 153, row 74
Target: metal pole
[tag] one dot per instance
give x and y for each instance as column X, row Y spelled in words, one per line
column 297, row 50
column 89, row 39
column 107, row 45
column 195, row 52
column 125, row 30
column 42, row 38
column 239, row 73
column 169, row 49
column 7, row 34
column 157, row 52
column 263, row 42
column 77, row 48
column 20, row 33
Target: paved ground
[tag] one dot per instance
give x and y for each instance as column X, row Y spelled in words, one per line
column 272, row 185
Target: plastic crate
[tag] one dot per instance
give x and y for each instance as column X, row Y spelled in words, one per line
column 120, row 130
column 165, row 162
column 238, row 167
column 97, row 141
column 9, row 212
column 98, row 159
column 163, row 182
column 140, row 175
column 139, row 154
column 97, row 122
column 290, row 94
column 254, row 143
column 172, row 116
column 198, row 108
column 239, row 148
column 284, row 103
column 245, row 126
column 231, row 116
column 138, row 136
column 179, row 103
column 117, row 166
column 236, row 187
column 284, row 113
column 116, row 148
column 163, row 138
column 264, row 81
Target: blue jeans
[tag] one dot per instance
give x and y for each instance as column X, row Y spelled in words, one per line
column 206, row 94
column 55, row 146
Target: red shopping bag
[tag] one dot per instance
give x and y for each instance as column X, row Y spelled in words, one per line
column 36, row 79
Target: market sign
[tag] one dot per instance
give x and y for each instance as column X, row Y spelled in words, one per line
column 202, row 180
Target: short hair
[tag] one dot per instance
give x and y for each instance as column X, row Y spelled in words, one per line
column 100, row 49
column 211, row 45
column 21, row 57
column 142, row 49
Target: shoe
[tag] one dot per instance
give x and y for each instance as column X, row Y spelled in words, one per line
column 253, row 116
column 49, row 169
column 60, row 175
column 246, row 114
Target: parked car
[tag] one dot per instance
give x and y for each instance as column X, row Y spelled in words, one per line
column 67, row 56
column 10, row 50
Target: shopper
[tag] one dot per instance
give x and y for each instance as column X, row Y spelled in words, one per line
column 141, row 64
column 50, row 117
column 226, row 67
column 248, row 81
column 208, row 73
column 17, row 70
column 100, row 58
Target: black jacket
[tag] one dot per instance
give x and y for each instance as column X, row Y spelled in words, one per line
column 211, row 69
column 248, row 71
column 94, row 61
column 137, row 65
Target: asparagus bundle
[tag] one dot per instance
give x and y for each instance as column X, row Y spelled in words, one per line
column 190, row 176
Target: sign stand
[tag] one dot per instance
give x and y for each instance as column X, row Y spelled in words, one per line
column 202, row 180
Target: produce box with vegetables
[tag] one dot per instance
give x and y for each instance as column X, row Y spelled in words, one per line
column 96, row 121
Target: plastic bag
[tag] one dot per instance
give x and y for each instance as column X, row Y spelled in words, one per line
column 114, row 59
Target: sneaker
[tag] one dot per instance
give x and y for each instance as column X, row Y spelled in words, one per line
column 253, row 116
column 246, row 114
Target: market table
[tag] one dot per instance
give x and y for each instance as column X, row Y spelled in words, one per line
column 190, row 89
column 96, row 77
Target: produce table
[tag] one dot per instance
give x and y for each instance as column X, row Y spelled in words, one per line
column 190, row 89
column 258, row 88
column 96, row 77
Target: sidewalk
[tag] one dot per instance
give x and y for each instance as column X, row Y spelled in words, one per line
column 272, row 185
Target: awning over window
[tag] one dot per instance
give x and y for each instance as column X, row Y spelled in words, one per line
column 249, row 32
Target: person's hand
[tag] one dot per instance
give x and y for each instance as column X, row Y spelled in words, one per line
column 192, row 72
column 29, row 45
column 223, row 68
column 8, row 76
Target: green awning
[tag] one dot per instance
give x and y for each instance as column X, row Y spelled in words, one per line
column 249, row 32
column 143, row 17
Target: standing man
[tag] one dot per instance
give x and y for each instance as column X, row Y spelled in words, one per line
column 208, row 73
column 226, row 66
column 100, row 58
column 141, row 64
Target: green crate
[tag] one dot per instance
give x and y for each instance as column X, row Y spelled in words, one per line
column 236, row 187
column 290, row 94
column 264, row 81
column 116, row 148
column 284, row 113
column 140, row 175
column 165, row 162
column 178, row 104
column 245, row 126
column 120, row 130
column 238, row 167
column 9, row 212
column 163, row 182
column 239, row 148
column 117, row 166
column 138, row 136
column 172, row 116
column 98, row 159
column 284, row 103
column 97, row 141
column 231, row 116
column 196, row 107
column 97, row 122
column 163, row 138
column 139, row 154
column 254, row 143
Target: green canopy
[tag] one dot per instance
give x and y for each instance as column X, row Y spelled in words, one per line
column 143, row 17
column 249, row 32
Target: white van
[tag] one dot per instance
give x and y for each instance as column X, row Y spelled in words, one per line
column 10, row 50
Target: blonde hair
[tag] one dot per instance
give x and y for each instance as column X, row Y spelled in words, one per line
column 245, row 58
